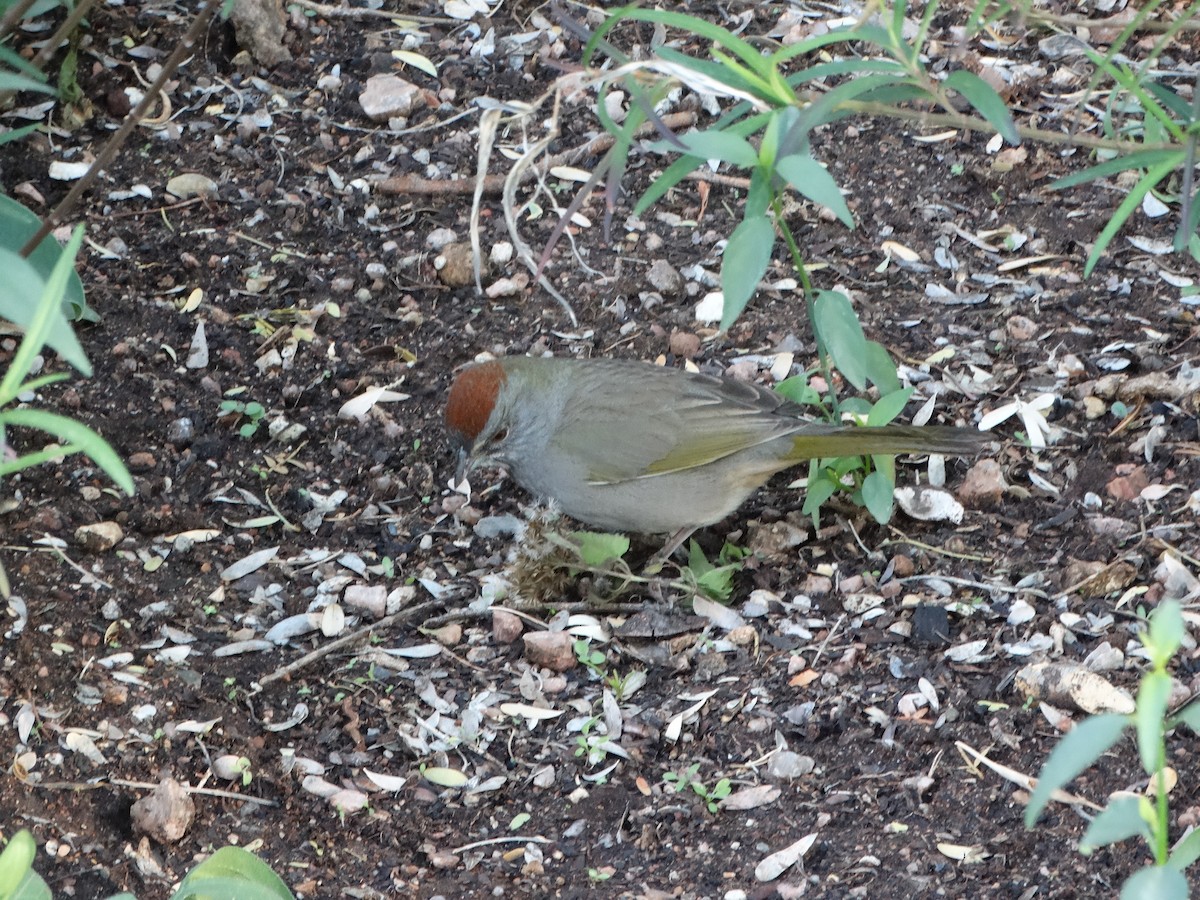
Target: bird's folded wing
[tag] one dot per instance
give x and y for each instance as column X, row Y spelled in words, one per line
column 713, row 419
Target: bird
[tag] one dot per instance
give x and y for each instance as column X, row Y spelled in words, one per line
column 628, row 446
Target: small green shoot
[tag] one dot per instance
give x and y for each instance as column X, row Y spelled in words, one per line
column 1144, row 815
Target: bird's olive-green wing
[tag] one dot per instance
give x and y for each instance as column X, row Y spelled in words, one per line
column 693, row 422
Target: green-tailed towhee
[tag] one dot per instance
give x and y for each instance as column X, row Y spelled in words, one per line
column 629, row 446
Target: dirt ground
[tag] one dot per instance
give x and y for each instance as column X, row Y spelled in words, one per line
column 827, row 712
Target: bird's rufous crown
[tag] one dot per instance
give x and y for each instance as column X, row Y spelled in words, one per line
column 472, row 398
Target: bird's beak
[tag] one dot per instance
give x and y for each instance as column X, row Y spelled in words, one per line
column 466, row 462
column 464, row 465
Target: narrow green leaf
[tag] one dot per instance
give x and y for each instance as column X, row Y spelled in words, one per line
column 841, row 67
column 747, row 255
column 983, row 97
column 722, row 145
column 1166, row 632
column 17, row 133
column 820, row 110
column 1079, row 748
column 17, row 226
column 47, row 312
column 1141, row 160
column 842, row 335
column 811, row 180
column 11, row 81
column 758, row 198
column 1158, row 882
column 78, row 434
column 1118, row 821
column 812, row 44
column 1186, row 852
column 684, row 166
column 1153, row 696
column 797, row 390
column 818, row 491
column 727, row 74
column 15, row 860
column 21, row 283
column 888, row 406
column 881, row 368
column 743, row 50
column 1126, row 209
column 877, row 491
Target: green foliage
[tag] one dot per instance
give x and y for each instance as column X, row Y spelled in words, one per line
column 1127, row 816
column 715, row 580
column 598, row 548
column 592, row 660
column 17, row 226
column 230, row 872
column 251, row 411
column 712, row 797
column 766, row 133
column 46, row 322
column 18, row 881
column 868, row 481
column 770, row 108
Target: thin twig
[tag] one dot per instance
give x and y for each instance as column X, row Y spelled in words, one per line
column 356, row 636
column 109, row 151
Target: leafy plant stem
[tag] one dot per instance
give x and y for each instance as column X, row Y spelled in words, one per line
column 806, row 285
column 972, row 123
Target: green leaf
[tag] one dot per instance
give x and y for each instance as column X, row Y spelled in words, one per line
column 811, row 180
column 715, row 581
column 17, row 226
column 821, row 111
column 1140, row 160
column 743, row 50
column 17, row 133
column 10, row 81
column 888, row 406
column 41, row 324
column 1189, row 716
column 597, row 548
column 837, row 323
column 21, row 283
column 1166, row 633
column 877, row 490
column 1186, row 852
column 1079, row 748
column 1127, row 207
column 683, row 167
column 1159, row 882
column 1149, row 718
column 986, row 101
column 820, row 488
column 233, row 872
column 798, row 390
column 78, row 436
column 1179, row 107
column 722, row 145
column 747, row 255
column 1119, row 821
column 758, row 198
column 881, row 370
column 16, row 867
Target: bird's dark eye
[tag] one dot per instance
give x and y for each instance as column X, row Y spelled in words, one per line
column 499, row 436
